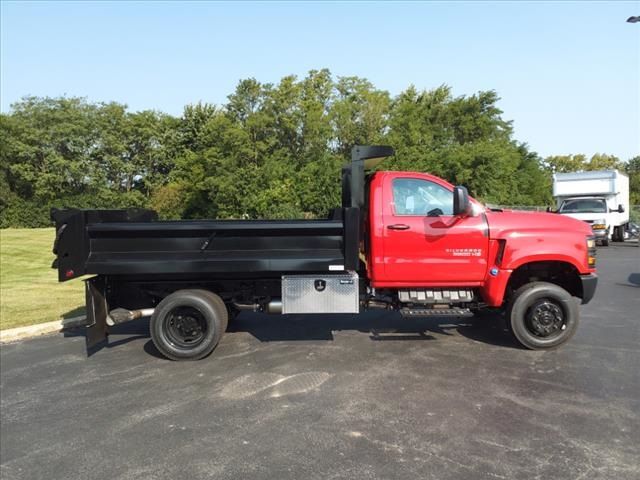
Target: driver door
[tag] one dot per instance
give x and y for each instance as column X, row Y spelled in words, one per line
column 424, row 243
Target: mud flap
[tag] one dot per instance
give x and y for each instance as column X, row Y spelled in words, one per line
column 96, row 333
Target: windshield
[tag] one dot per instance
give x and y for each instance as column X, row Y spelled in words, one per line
column 584, row 205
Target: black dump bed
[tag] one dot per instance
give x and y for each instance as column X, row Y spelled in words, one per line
column 135, row 242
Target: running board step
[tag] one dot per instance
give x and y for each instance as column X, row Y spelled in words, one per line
column 435, row 312
column 436, row 295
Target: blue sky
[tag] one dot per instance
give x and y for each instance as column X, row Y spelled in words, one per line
column 568, row 72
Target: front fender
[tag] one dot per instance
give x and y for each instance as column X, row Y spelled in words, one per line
column 544, row 257
column 549, row 246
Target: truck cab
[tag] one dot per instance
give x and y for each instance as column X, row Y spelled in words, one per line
column 402, row 241
column 599, row 198
column 592, row 210
column 417, row 240
column 422, row 238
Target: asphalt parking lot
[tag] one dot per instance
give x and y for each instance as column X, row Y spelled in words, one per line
column 375, row 396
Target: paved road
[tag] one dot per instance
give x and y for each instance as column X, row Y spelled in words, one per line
column 344, row 397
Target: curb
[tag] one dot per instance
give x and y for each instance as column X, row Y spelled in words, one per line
column 23, row 333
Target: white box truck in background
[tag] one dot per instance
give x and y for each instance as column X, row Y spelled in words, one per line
column 600, row 198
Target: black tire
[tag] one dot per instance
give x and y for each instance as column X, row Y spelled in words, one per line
column 188, row 324
column 542, row 315
column 618, row 233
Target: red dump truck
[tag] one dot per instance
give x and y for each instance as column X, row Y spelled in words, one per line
column 404, row 241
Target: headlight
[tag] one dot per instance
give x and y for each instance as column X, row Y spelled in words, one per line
column 591, row 252
column 599, row 225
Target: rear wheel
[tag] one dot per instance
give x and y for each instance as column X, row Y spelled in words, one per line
column 542, row 315
column 618, row 233
column 188, row 324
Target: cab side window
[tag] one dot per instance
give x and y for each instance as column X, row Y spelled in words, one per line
column 412, row 196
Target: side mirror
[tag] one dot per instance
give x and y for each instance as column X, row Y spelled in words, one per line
column 461, row 204
column 620, row 209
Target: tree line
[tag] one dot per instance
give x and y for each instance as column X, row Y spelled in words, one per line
column 271, row 151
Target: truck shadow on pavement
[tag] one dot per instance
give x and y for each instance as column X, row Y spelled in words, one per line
column 380, row 326
column 633, row 281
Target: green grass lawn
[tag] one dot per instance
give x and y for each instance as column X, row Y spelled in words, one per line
column 29, row 288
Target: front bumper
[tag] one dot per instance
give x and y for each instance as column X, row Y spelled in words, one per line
column 589, row 283
column 601, row 234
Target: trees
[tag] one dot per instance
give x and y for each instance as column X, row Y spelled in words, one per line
column 632, row 168
column 44, row 157
column 273, row 150
column 565, row 163
column 466, row 141
column 44, row 145
column 579, row 162
column 69, row 152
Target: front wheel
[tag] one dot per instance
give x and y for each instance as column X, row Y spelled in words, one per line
column 188, row 324
column 619, row 233
column 542, row 315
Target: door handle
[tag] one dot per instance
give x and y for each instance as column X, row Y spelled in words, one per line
column 398, row 226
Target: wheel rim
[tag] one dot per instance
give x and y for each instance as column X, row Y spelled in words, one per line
column 546, row 319
column 185, row 327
